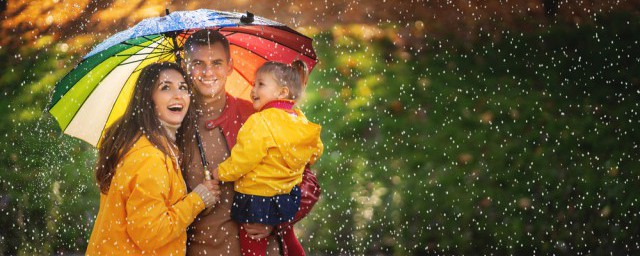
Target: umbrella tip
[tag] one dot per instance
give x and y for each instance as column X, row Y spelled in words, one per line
column 248, row 18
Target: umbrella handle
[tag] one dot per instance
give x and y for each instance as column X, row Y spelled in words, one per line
column 203, row 157
column 207, row 174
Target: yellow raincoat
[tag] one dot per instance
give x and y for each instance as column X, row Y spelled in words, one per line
column 147, row 209
column 271, row 151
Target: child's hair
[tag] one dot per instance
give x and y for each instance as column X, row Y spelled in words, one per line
column 293, row 76
column 206, row 37
column 139, row 119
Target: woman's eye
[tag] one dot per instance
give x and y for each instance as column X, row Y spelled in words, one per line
column 183, row 87
column 164, row 87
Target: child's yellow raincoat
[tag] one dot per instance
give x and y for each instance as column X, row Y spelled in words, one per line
column 147, row 209
column 271, row 151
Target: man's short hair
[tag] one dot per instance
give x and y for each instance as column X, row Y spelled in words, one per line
column 206, row 37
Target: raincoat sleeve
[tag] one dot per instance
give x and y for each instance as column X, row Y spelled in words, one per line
column 151, row 222
column 251, row 147
column 318, row 153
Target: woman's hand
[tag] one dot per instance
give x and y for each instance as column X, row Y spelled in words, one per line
column 209, row 191
column 257, row 230
column 214, row 187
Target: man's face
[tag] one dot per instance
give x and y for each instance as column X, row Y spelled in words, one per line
column 208, row 66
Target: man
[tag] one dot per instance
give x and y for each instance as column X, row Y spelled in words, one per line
column 208, row 62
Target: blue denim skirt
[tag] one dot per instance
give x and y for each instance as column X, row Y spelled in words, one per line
column 272, row 210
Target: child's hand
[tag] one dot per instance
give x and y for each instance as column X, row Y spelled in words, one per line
column 214, row 174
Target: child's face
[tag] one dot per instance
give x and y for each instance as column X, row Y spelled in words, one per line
column 266, row 89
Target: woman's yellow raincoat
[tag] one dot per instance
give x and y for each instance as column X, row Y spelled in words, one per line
column 147, row 209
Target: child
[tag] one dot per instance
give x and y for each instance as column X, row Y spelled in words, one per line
column 273, row 147
column 144, row 204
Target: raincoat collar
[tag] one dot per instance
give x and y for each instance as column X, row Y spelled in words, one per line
column 286, row 105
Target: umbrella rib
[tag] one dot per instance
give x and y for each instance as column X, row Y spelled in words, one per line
column 250, row 51
column 167, row 46
column 134, row 54
column 240, row 32
column 181, row 38
column 145, row 37
column 184, row 39
column 166, row 56
column 151, row 55
column 159, row 56
column 133, row 61
column 172, row 50
column 137, row 45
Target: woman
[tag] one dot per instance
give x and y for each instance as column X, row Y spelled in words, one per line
column 144, row 204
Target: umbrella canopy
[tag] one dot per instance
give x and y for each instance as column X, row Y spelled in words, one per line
column 97, row 91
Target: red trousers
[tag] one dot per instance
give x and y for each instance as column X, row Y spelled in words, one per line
column 258, row 247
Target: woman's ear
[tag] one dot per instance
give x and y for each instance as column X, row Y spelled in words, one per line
column 283, row 93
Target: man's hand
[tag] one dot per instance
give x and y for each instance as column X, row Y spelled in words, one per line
column 257, row 230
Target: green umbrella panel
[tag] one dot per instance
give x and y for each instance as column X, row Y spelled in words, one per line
column 96, row 93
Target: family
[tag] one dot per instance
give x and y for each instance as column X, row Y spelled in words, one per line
column 155, row 197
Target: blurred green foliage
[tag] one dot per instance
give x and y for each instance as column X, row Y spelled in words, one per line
column 525, row 143
column 47, row 194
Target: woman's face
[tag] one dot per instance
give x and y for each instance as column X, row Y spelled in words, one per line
column 171, row 97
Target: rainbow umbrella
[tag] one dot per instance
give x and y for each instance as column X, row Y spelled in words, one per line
column 97, row 91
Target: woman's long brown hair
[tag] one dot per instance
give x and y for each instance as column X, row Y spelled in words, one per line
column 139, row 119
